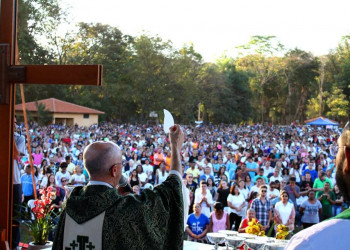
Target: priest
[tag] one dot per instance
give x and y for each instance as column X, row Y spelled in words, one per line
column 98, row 217
column 332, row 233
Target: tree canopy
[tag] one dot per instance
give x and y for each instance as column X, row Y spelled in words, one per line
column 142, row 74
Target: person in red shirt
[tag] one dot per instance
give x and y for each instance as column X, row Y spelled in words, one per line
column 67, row 140
column 250, row 215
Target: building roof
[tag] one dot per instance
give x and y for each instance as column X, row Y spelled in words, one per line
column 321, row 121
column 57, row 106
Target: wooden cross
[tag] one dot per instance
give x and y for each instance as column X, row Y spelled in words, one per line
column 10, row 74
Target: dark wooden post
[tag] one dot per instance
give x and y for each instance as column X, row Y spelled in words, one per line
column 10, row 74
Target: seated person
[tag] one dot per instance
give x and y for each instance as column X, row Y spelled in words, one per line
column 250, row 215
column 197, row 225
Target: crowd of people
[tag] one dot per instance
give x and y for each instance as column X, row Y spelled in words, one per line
column 276, row 174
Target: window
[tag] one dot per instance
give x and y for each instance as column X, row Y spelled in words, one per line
column 86, row 116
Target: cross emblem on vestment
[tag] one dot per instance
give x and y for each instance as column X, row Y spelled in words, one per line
column 74, row 245
column 10, row 74
column 90, row 246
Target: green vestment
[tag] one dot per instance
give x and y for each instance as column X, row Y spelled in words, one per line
column 345, row 215
column 152, row 220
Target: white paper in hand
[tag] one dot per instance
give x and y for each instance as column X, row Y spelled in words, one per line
column 168, row 121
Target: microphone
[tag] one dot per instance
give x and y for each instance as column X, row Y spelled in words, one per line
column 123, row 182
column 123, row 186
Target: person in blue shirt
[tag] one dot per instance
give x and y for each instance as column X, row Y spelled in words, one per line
column 197, row 225
column 261, row 175
column 312, row 172
column 230, row 163
column 27, row 185
column 252, row 167
column 206, row 174
column 218, row 165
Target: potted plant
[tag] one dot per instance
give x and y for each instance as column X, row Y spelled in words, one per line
column 40, row 219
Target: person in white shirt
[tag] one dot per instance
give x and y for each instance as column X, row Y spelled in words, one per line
column 204, row 198
column 272, row 192
column 237, row 206
column 267, row 168
column 233, row 145
column 78, row 179
column 142, row 175
column 284, row 211
column 76, row 151
column 132, row 165
column 46, row 175
column 148, row 169
column 161, row 174
column 243, row 189
column 200, row 165
column 276, row 176
column 62, row 173
column 258, row 183
column 70, row 165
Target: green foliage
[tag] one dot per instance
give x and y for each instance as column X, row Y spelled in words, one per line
column 238, row 93
column 338, row 105
column 262, row 45
column 265, row 83
column 300, row 72
column 334, row 105
column 313, row 106
column 37, row 19
column 45, row 117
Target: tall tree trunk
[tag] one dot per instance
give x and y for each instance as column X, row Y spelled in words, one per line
column 321, row 86
column 287, row 104
column 262, row 109
column 301, row 101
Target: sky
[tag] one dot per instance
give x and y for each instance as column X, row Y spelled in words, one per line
column 217, row 27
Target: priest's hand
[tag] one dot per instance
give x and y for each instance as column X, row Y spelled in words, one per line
column 124, row 190
column 176, row 136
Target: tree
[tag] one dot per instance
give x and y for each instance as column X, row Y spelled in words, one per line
column 300, row 71
column 149, row 74
column 37, row 21
column 262, row 66
column 106, row 45
column 338, row 68
column 185, row 90
column 337, row 104
column 261, row 70
column 262, row 45
column 45, row 117
column 145, row 73
column 238, row 91
column 314, row 108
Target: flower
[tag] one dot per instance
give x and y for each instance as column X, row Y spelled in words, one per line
column 282, row 232
column 254, row 227
column 41, row 219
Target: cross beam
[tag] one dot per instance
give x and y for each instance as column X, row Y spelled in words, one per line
column 10, row 74
column 43, row 74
